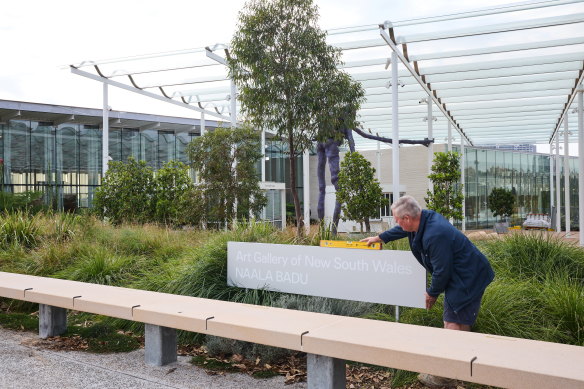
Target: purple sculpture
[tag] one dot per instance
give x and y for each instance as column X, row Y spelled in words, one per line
column 329, row 150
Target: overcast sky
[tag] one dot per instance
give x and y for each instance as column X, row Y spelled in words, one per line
column 39, row 38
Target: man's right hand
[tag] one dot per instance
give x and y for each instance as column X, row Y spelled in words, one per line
column 371, row 240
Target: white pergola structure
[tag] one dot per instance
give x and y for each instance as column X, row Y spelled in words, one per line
column 506, row 74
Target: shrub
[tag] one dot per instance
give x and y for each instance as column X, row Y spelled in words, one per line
column 359, row 192
column 446, row 196
column 171, row 184
column 126, row 192
column 25, row 201
column 501, row 202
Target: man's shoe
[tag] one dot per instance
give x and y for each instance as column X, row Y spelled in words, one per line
column 433, row 381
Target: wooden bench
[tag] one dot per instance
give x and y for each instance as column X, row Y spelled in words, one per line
column 328, row 340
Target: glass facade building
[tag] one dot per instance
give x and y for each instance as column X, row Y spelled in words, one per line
column 64, row 161
column 527, row 175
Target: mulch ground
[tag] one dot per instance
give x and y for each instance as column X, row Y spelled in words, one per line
column 292, row 368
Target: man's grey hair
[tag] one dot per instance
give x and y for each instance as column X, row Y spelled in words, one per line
column 406, row 206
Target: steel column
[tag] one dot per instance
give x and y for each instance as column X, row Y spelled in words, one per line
column 552, row 192
column 202, row 123
column 566, row 175
column 378, row 165
column 105, row 132
column 449, row 136
column 581, row 163
column 558, row 195
column 263, row 156
column 394, row 127
column 306, row 183
column 462, row 180
column 431, row 145
column 233, row 103
column 395, row 137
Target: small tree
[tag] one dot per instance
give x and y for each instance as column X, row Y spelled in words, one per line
column 446, row 197
column 287, row 75
column 172, row 184
column 126, row 192
column 501, row 202
column 359, row 191
column 223, row 183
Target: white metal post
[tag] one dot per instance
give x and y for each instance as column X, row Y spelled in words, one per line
column 394, row 126
column 263, row 156
column 306, row 181
column 558, row 195
column 378, row 165
column 395, row 137
column 233, row 102
column 462, row 180
column 202, row 123
column 233, row 109
column 283, row 203
column 105, row 132
column 566, row 175
column 552, row 192
column 581, row 163
column 449, row 136
column 431, row 145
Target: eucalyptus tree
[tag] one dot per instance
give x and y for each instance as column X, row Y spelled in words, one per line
column 287, row 76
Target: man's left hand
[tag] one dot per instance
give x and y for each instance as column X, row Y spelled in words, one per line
column 430, row 301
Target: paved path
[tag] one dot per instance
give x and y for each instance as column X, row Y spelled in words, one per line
column 24, row 366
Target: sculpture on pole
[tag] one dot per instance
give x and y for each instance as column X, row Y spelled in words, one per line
column 329, row 150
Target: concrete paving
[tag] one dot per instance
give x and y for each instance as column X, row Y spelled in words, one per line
column 25, row 366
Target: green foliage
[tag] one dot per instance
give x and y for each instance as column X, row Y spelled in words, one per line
column 19, row 228
column 287, row 76
column 172, row 191
column 131, row 192
column 97, row 265
column 225, row 181
column 359, row 191
column 535, row 255
column 501, row 202
column 126, row 192
column 446, row 196
column 25, row 201
column 563, row 301
column 19, row 321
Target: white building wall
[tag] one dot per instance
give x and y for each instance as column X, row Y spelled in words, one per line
column 413, row 176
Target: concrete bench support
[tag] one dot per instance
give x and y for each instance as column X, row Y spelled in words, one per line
column 52, row 321
column 325, row 372
column 160, row 345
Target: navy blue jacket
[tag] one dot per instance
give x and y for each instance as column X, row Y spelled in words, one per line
column 457, row 266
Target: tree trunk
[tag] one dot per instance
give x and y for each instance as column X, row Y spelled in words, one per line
column 367, row 225
column 297, row 212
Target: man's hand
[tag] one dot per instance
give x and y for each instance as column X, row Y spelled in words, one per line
column 371, row 240
column 430, row 301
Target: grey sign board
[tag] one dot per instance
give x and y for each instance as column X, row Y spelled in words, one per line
column 378, row 276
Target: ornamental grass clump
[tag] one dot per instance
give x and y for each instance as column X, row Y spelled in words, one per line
column 19, row 228
column 98, row 265
column 514, row 308
column 534, row 255
column 563, row 302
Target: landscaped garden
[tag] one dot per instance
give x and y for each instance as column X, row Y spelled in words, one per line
column 538, row 292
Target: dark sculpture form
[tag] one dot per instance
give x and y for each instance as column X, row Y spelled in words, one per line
column 329, row 150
